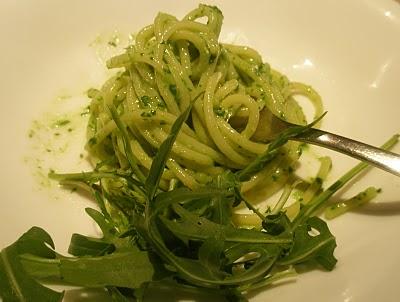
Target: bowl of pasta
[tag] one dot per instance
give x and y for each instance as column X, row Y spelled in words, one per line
column 142, row 159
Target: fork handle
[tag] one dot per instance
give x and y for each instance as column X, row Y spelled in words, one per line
column 380, row 158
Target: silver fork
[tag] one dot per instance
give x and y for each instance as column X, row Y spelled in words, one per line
column 377, row 157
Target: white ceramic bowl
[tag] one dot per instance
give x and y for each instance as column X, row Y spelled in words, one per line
column 349, row 51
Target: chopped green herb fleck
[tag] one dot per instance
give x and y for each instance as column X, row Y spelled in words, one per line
column 150, row 113
column 211, row 59
column 86, row 111
column 219, row 111
column 114, row 41
column 92, row 141
column 173, row 90
column 145, row 100
column 61, row 123
column 31, row 133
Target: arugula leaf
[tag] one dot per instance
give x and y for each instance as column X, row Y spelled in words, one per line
column 41, row 268
column 276, row 224
column 15, row 283
column 130, row 269
column 87, row 246
column 107, row 227
column 307, row 246
column 220, row 207
column 204, row 268
column 194, row 227
column 35, row 242
column 158, row 164
column 211, row 255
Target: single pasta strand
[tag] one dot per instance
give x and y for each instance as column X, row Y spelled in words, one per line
column 183, row 85
column 186, row 25
column 244, row 51
column 225, row 90
column 212, row 126
column 182, row 175
column 143, row 37
column 200, row 130
column 184, row 56
column 240, row 140
column 182, row 151
column 252, row 107
column 166, row 94
column 296, row 88
column 194, row 144
column 214, row 17
column 198, row 41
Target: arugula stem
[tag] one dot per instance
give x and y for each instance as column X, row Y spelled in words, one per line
column 284, row 197
column 250, row 206
column 133, row 162
column 83, row 176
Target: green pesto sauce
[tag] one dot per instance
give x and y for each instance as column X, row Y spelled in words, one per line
column 109, row 44
column 54, row 136
column 114, row 40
